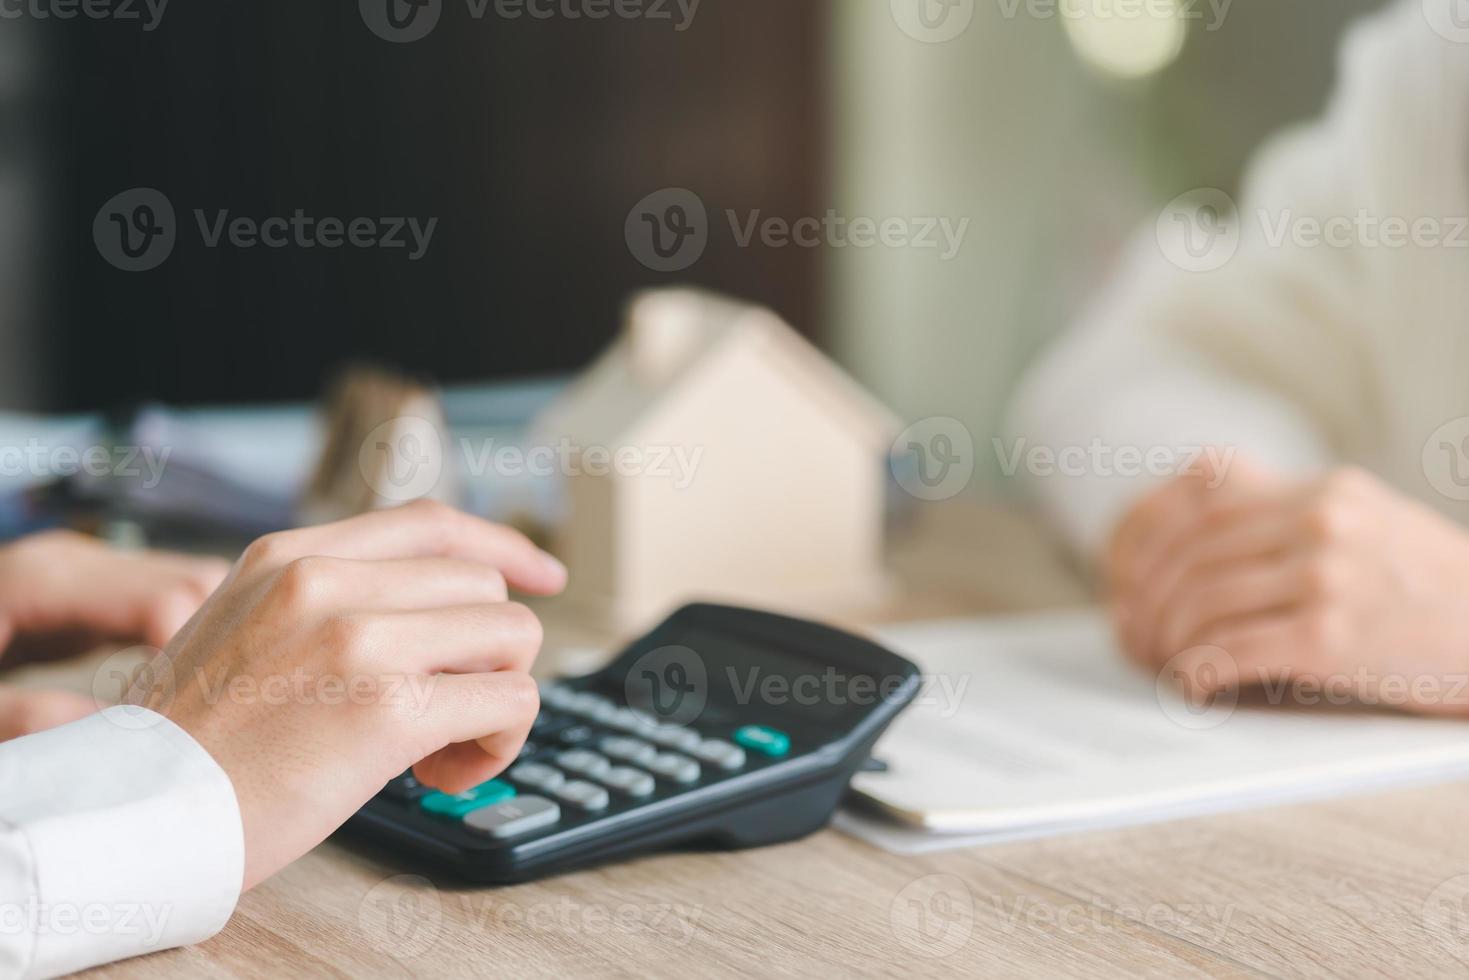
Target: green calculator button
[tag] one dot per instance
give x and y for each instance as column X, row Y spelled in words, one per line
column 768, row 741
column 458, row 804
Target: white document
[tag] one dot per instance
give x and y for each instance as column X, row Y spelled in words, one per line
column 1035, row 725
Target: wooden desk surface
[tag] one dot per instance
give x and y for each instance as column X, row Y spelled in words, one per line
column 1372, row 886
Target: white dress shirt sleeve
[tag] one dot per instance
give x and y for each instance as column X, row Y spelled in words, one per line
column 119, row 835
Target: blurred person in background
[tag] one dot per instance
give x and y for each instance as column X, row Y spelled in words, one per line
column 1317, row 349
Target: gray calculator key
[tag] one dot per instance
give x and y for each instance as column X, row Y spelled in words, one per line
column 633, row 782
column 725, row 755
column 629, row 749
column 586, row 703
column 511, row 818
column 625, row 720
column 537, row 775
column 557, row 696
column 583, row 762
column 586, row 795
column 676, row 737
column 603, row 714
column 679, row 768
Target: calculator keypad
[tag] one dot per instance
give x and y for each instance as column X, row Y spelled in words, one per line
column 588, row 752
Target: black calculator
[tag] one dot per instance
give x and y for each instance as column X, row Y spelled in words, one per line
column 723, row 727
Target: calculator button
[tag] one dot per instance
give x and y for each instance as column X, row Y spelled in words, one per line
column 457, row 805
column 765, row 740
column 603, row 714
column 723, row 754
column 676, row 737
column 585, row 704
column 557, row 696
column 548, row 721
column 405, row 787
column 583, row 763
column 633, row 782
column 625, row 720
column 679, row 768
column 588, row 796
column 512, row 818
column 537, row 776
column 527, row 749
column 575, row 735
column 629, row 749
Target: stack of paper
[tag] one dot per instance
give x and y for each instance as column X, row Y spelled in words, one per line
column 1035, row 725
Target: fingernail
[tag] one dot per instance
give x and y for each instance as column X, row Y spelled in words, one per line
column 553, row 564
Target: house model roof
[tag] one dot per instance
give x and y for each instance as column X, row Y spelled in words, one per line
column 673, row 336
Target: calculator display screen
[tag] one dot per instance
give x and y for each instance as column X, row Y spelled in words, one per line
column 758, row 679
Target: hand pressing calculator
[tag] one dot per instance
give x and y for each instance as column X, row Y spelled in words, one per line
column 725, row 727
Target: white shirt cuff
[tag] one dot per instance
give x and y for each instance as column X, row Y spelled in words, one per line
column 119, row 835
